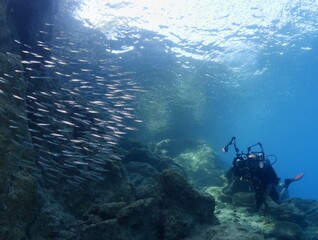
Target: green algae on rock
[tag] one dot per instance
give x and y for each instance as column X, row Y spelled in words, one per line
column 201, row 164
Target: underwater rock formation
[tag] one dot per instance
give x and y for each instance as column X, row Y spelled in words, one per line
column 17, row 185
column 231, row 231
column 172, row 211
column 293, row 219
column 166, row 206
column 138, row 193
column 30, row 21
column 5, row 31
column 146, row 198
column 202, row 166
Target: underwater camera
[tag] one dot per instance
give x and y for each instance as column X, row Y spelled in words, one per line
column 250, row 161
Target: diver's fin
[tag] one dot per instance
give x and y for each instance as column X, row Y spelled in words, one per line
column 298, row 177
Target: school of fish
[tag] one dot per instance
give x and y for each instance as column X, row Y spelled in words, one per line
column 80, row 103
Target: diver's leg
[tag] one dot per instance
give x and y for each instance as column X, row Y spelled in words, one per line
column 288, row 181
column 282, row 194
column 275, row 196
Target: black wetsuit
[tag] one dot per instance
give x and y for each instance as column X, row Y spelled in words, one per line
column 264, row 179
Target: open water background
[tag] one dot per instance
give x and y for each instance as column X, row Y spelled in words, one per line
column 245, row 68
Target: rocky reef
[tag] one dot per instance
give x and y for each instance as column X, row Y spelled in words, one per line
column 172, row 211
column 168, row 189
column 147, row 197
column 151, row 198
column 201, row 164
column 293, row 219
column 17, row 186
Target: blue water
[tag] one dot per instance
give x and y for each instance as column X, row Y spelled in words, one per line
column 283, row 118
column 254, row 65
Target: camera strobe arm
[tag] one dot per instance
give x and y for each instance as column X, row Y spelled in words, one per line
column 232, row 142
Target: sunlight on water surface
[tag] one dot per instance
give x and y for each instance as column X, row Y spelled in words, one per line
column 231, row 32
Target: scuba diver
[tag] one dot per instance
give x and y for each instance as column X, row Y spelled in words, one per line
column 254, row 170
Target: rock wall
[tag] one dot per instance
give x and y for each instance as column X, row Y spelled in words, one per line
column 146, row 195
column 171, row 210
column 5, row 32
column 18, row 188
column 31, row 21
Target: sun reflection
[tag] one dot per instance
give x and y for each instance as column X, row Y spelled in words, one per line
column 185, row 18
column 200, row 25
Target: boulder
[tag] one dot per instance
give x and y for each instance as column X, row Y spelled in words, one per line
column 177, row 193
column 172, row 211
column 202, row 166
